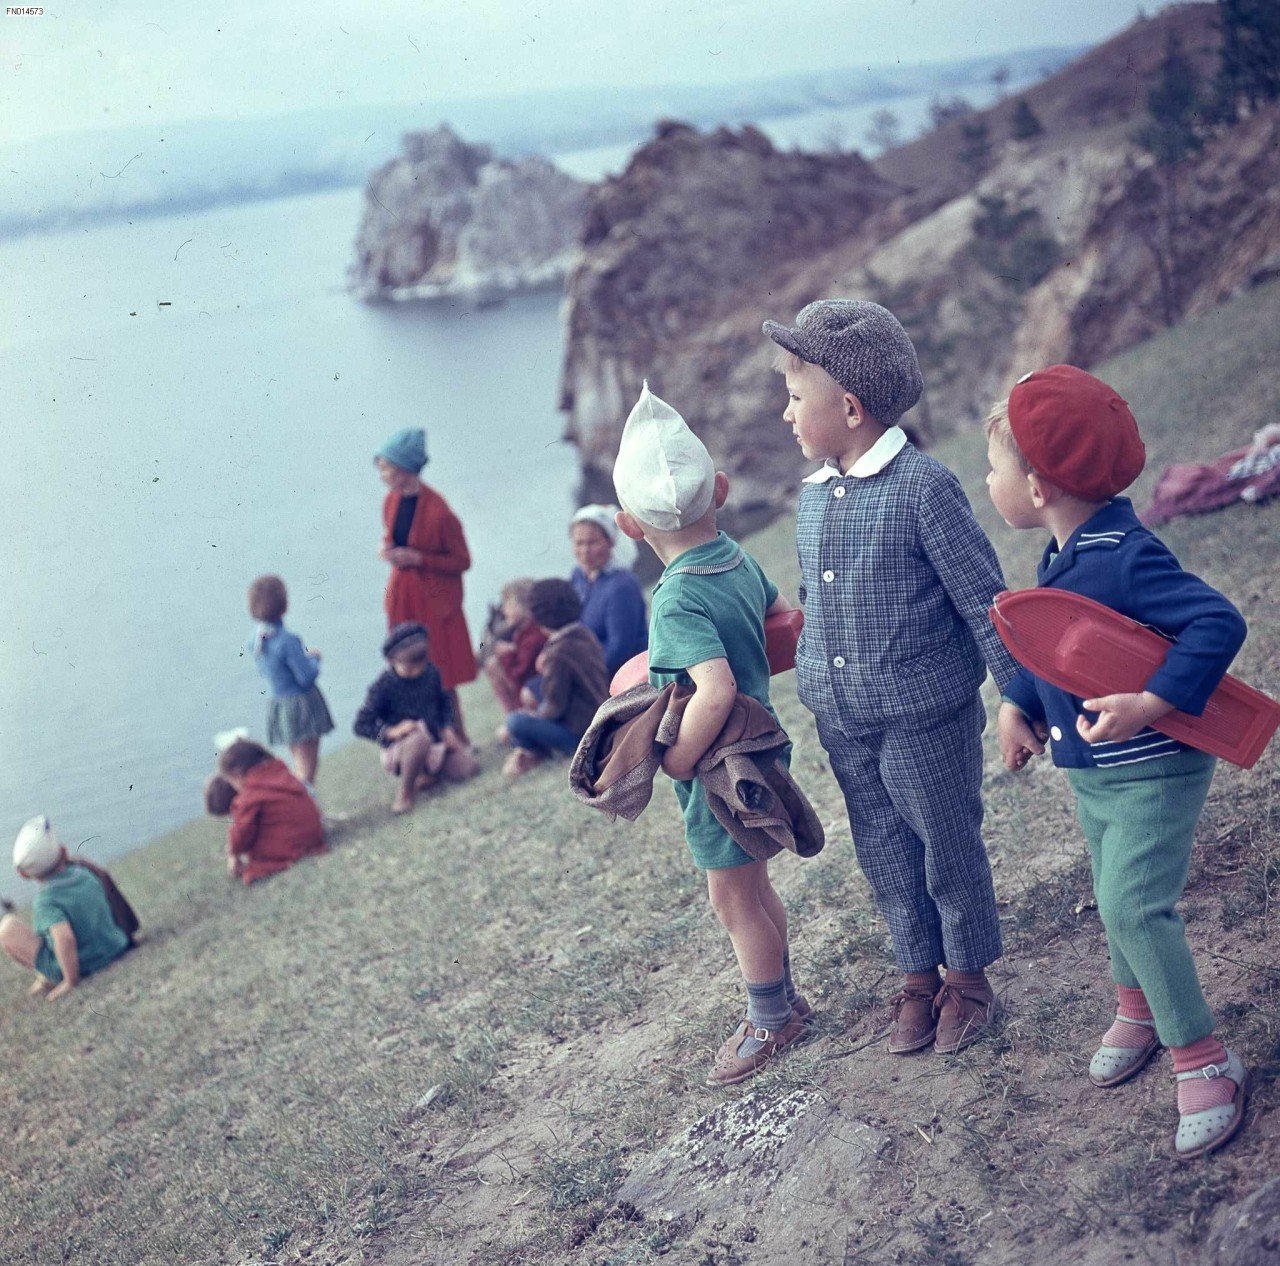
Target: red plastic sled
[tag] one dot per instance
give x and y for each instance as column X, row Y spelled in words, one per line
column 1087, row 649
column 781, row 636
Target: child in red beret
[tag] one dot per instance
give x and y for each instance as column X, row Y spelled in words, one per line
column 1061, row 449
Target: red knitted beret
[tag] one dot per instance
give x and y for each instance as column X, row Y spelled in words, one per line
column 1076, row 431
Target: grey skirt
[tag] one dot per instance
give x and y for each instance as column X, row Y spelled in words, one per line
column 297, row 718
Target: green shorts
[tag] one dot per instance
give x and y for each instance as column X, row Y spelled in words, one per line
column 712, row 847
column 47, row 960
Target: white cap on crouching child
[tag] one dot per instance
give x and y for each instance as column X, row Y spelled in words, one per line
column 37, row 849
column 664, row 475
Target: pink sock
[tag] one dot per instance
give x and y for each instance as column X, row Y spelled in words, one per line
column 1131, row 1004
column 1198, row 1093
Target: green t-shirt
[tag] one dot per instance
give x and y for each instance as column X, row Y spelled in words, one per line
column 75, row 896
column 709, row 604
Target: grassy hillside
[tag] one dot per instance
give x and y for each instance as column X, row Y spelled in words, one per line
column 449, row 1039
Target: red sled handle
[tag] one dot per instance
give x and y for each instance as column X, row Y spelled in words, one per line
column 781, row 637
column 1088, row 649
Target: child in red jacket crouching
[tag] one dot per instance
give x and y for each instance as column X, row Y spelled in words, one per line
column 274, row 820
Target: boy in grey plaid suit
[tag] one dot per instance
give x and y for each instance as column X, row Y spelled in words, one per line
column 897, row 577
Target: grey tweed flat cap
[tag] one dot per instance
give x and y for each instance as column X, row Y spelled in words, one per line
column 863, row 347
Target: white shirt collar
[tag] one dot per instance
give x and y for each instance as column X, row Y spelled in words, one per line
column 872, row 462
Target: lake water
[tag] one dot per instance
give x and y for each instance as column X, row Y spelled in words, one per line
column 188, row 402
column 192, row 400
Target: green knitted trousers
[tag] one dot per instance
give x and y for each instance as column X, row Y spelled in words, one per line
column 1140, row 821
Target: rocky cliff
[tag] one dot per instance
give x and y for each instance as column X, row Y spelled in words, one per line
column 679, row 257
column 1045, row 251
column 448, row 218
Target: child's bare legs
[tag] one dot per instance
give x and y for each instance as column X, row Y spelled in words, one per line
column 306, row 759
column 752, row 914
column 413, row 753
column 506, row 693
column 22, row 945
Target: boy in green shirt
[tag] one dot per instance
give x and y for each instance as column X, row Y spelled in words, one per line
column 74, row 932
column 706, row 630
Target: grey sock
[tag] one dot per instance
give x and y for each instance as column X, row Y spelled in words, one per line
column 767, row 1008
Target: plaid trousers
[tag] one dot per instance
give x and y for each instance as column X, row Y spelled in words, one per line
column 914, row 797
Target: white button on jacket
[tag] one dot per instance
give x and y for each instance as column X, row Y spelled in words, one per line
column 838, row 490
column 838, row 661
column 828, row 576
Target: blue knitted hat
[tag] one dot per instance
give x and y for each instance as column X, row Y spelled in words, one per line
column 406, row 449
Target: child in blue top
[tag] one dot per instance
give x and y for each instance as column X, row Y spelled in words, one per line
column 897, row 577
column 707, row 630
column 297, row 714
column 1060, row 449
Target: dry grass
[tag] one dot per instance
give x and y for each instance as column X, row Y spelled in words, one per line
column 253, row 1085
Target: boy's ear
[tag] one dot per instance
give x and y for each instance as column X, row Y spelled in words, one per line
column 629, row 525
column 721, row 494
column 855, row 411
column 1043, row 493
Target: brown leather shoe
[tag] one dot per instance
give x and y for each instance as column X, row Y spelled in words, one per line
column 731, row 1068
column 914, row 1021
column 965, row 1013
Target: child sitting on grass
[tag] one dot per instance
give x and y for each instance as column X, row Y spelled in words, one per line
column 74, row 932
column 513, row 657
column 706, row 630
column 274, row 819
column 409, row 714
column 1061, row 448
column 575, row 681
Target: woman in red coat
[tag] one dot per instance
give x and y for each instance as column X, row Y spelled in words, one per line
column 423, row 541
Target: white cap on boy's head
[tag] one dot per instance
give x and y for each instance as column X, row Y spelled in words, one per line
column 36, row 850
column 664, row 475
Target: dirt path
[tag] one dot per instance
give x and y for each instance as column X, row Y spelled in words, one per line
column 996, row 1157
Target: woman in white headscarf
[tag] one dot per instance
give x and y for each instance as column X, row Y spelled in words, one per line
column 612, row 602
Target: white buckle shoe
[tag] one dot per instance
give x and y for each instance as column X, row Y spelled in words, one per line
column 1114, row 1065
column 1202, row 1132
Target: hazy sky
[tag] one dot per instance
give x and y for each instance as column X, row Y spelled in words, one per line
column 90, row 64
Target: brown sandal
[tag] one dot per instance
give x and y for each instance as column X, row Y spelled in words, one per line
column 731, row 1068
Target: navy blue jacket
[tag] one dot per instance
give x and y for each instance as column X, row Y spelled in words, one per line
column 1116, row 561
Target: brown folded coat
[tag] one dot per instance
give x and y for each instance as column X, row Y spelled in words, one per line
column 749, row 790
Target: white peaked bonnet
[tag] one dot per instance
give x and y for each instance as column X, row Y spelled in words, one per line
column 664, row 475
column 36, row 850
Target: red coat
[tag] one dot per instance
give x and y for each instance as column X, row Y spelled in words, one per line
column 274, row 820
column 518, row 663
column 431, row 593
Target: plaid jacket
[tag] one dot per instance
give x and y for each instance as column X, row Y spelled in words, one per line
column 897, row 577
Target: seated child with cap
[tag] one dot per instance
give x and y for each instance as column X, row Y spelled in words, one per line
column 575, row 681
column 1061, row 449
column 410, row 715
column 896, row 580
column 274, row 818
column 73, row 932
column 706, row 630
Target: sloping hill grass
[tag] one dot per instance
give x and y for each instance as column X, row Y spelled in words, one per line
column 451, row 1037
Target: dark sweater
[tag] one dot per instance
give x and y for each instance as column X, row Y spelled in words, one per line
column 575, row 681
column 392, row 699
